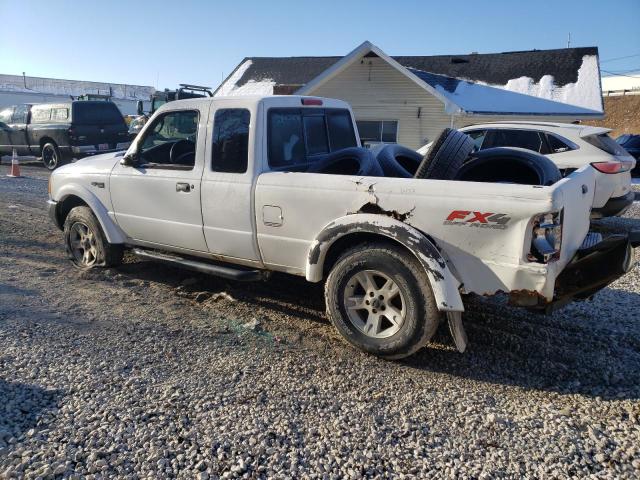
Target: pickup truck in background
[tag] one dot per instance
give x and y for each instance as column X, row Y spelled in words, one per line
column 61, row 131
column 241, row 187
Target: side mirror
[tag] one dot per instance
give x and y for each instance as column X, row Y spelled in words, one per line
column 140, row 107
column 129, row 160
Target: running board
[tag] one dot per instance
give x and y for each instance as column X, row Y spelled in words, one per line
column 230, row 273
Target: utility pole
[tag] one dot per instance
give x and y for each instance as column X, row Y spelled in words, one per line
column 569, row 40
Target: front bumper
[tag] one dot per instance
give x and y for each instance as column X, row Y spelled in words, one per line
column 615, row 206
column 52, row 210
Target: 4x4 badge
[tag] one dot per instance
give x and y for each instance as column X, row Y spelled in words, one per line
column 478, row 219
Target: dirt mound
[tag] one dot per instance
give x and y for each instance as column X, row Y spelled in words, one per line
column 622, row 114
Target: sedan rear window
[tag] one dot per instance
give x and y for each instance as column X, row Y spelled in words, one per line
column 605, row 143
column 96, row 113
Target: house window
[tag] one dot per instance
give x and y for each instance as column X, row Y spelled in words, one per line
column 377, row 131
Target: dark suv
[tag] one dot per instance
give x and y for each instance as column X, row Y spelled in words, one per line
column 631, row 143
column 58, row 132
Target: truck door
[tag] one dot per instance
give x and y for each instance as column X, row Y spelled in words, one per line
column 157, row 201
column 227, row 185
column 5, row 141
column 18, row 130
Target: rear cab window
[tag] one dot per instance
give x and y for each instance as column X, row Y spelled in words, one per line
column 96, row 113
column 298, row 137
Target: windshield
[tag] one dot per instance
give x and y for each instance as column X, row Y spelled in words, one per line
column 96, row 113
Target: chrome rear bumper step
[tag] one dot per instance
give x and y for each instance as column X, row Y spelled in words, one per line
column 201, row 266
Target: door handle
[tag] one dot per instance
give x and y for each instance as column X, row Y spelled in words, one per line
column 183, row 187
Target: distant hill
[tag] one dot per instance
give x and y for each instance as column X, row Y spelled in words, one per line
column 622, row 114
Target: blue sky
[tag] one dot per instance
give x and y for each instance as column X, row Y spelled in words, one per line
column 166, row 43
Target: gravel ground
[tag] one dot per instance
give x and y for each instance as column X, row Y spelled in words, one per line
column 146, row 371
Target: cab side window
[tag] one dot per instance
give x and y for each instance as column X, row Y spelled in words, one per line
column 170, row 142
column 20, row 114
column 231, row 140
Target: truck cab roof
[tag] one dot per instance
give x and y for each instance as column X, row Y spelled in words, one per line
column 283, row 101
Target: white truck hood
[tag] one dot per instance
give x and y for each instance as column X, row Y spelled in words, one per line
column 96, row 164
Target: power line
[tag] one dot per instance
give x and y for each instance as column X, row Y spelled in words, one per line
column 620, row 58
column 620, row 74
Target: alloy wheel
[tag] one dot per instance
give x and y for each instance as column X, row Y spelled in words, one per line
column 82, row 242
column 374, row 304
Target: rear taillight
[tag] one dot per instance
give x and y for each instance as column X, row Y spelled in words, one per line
column 546, row 238
column 311, row 101
column 612, row 167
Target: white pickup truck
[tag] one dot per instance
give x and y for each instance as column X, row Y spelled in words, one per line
column 239, row 187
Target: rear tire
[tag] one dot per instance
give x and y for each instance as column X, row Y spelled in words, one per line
column 86, row 243
column 51, row 156
column 379, row 298
column 509, row 165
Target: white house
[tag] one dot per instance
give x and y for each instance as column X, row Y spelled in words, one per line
column 410, row 99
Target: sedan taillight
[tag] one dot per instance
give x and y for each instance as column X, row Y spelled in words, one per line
column 612, row 167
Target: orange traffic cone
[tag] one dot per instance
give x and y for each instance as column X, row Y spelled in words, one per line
column 15, row 165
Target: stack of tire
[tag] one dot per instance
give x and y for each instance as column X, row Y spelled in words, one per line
column 451, row 157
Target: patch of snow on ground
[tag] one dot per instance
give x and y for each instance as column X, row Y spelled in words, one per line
column 230, row 87
column 585, row 92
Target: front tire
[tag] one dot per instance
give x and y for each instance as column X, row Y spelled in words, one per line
column 86, row 243
column 379, row 298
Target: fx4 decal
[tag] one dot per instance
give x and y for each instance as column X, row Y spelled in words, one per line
column 478, row 219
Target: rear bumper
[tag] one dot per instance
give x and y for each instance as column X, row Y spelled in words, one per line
column 594, row 267
column 615, row 206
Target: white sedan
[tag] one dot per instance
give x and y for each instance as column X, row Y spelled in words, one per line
column 570, row 147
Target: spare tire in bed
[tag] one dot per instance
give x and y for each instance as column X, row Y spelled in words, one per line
column 509, row 165
column 398, row 161
column 348, row 161
column 446, row 155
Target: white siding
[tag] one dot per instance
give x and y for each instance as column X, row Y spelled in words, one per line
column 377, row 91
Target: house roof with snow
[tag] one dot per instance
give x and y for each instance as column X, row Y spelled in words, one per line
column 566, row 81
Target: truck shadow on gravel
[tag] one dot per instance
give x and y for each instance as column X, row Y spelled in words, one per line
column 21, row 409
column 563, row 353
column 285, row 294
column 576, row 351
